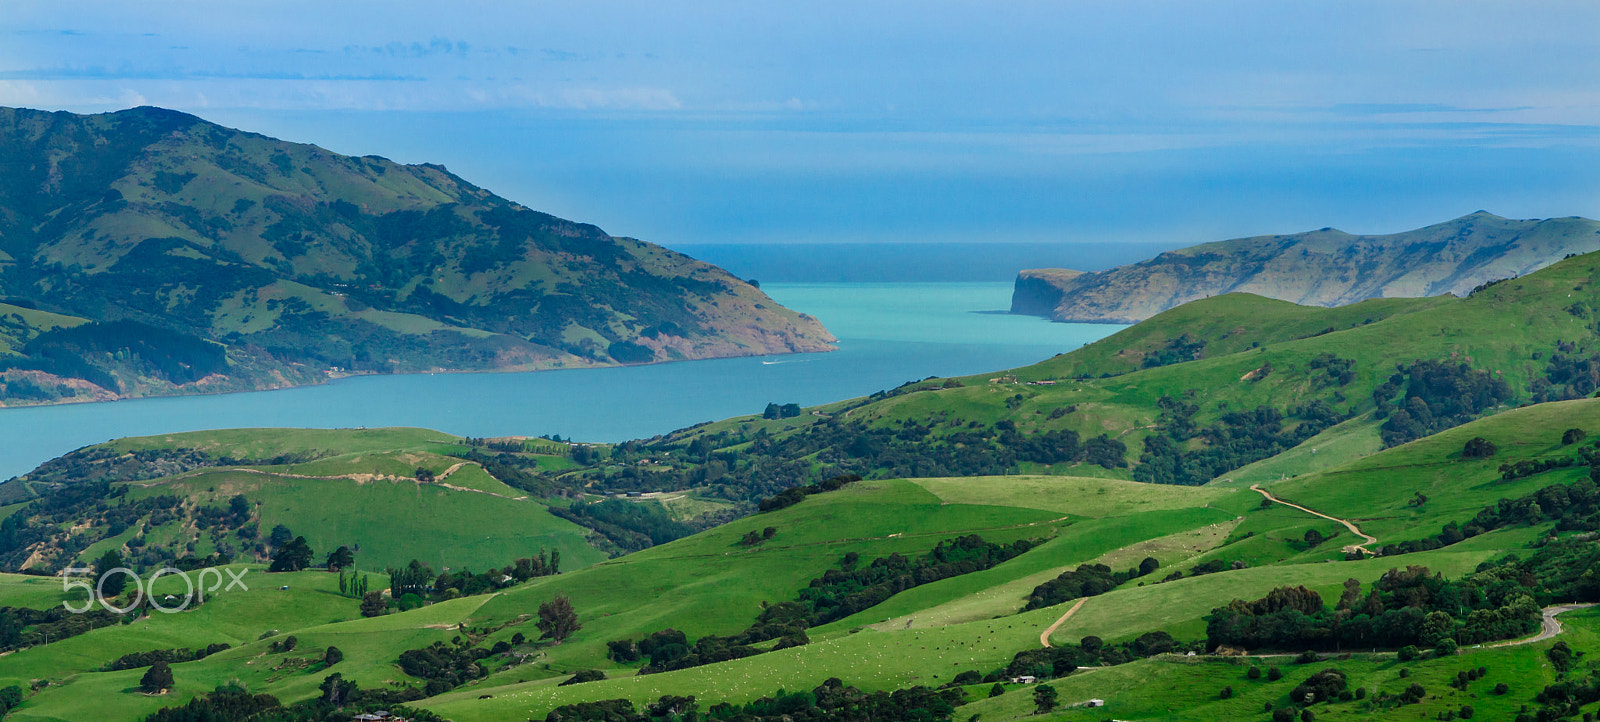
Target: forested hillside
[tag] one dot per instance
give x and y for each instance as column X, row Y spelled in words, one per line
column 148, row 252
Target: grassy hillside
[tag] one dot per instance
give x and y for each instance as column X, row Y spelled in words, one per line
column 716, row 583
column 151, row 252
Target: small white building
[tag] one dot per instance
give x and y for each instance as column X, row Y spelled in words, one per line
column 1024, row 679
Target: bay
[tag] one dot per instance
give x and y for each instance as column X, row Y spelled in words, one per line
column 889, row 333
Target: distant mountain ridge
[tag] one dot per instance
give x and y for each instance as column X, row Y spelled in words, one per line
column 1326, row 267
column 148, row 251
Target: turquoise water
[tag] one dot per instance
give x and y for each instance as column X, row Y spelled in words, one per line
column 888, row 334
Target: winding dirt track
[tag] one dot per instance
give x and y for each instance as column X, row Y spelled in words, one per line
column 1362, row 547
column 1044, row 637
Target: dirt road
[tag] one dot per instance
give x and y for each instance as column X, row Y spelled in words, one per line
column 1044, row 637
column 1362, row 547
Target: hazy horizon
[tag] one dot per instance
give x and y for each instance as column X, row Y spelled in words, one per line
column 725, row 123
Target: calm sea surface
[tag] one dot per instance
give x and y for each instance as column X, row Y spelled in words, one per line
column 889, row 333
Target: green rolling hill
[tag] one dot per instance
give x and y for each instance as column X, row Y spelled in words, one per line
column 1183, row 486
column 151, row 252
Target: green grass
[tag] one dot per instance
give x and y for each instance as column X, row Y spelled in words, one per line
column 268, row 443
column 394, row 522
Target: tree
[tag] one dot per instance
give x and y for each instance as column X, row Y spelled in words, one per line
column 340, row 558
column 1254, row 673
column 1560, row 656
column 372, row 604
column 332, row 656
column 114, row 583
column 1044, row 698
column 1313, row 537
column 1478, row 448
column 336, row 691
column 157, row 678
column 239, row 506
column 557, row 619
column 1148, row 566
column 424, row 474
column 280, row 536
column 1570, row 436
column 292, row 557
column 997, row 690
column 10, row 697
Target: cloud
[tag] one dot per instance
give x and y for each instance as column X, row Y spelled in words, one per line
column 436, row 46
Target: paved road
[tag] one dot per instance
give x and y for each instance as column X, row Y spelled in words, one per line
column 1362, row 547
column 1549, row 626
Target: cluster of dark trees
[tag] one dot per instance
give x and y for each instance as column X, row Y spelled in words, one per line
column 445, row 666
column 794, row 494
column 1340, row 371
column 292, row 556
column 766, row 465
column 1403, row 608
column 628, row 525
column 1575, row 507
column 1176, row 351
column 1060, row 661
column 1210, row 566
column 1438, row 395
column 25, row 627
column 340, row 700
column 169, row 656
column 1087, row 580
column 832, row 701
column 1234, row 440
column 1566, row 695
column 786, row 411
column 841, row 592
column 1567, row 376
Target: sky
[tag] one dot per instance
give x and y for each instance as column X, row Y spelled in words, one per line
column 761, row 122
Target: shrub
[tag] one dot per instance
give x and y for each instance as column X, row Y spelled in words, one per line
column 996, row 690
column 1320, row 687
column 1225, row 693
column 1478, row 448
column 1253, row 673
column 1282, row 715
column 1408, row 653
column 157, row 678
column 1306, row 657
column 1466, row 711
column 1361, row 693
column 1274, row 674
column 1501, row 688
column 1307, row 716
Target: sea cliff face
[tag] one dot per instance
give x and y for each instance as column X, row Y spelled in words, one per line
column 1326, row 267
column 149, row 252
